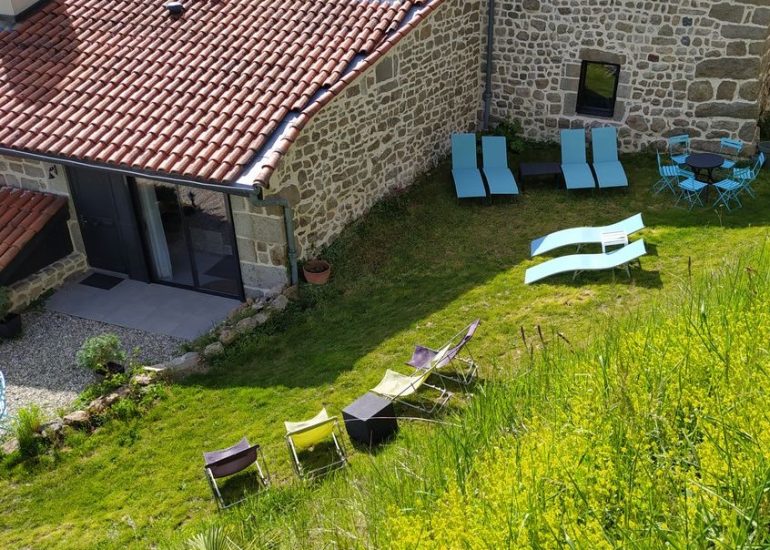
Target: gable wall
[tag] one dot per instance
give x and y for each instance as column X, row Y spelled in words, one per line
column 686, row 66
column 384, row 129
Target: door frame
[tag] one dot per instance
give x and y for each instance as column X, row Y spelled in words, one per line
column 124, row 207
column 133, row 188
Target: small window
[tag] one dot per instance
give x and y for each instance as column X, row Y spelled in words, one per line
column 598, row 89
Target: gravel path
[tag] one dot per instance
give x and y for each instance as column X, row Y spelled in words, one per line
column 39, row 367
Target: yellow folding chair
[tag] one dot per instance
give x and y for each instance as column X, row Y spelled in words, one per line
column 306, row 434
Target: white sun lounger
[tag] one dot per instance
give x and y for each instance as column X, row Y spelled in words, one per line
column 587, row 262
column 581, row 235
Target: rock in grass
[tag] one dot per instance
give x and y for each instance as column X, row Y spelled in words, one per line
column 97, row 406
column 213, row 349
column 77, row 418
column 279, row 303
column 121, row 392
column 246, row 325
column 10, row 446
column 142, row 379
column 227, row 337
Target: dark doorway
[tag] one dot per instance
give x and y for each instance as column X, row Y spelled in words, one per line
column 106, row 216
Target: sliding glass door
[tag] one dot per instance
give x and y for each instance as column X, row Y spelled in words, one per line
column 189, row 237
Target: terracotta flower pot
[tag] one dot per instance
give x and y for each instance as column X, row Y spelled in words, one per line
column 316, row 271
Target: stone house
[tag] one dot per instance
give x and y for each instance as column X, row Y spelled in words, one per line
column 212, row 148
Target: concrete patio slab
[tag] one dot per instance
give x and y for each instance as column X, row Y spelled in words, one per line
column 158, row 309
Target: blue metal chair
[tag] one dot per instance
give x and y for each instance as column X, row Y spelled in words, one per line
column 728, row 190
column 690, row 191
column 577, row 173
column 669, row 177
column 465, row 169
column 731, row 147
column 746, row 175
column 679, row 148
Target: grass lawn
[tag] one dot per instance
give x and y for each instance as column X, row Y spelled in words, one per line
column 416, row 269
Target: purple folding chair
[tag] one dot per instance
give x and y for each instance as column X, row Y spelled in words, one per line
column 422, row 357
column 226, row 462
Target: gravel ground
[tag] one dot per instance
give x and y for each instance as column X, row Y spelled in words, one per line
column 39, row 367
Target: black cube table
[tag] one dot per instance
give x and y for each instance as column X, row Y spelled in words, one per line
column 370, row 419
column 534, row 169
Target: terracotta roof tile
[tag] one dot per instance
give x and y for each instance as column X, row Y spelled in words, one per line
column 23, row 214
column 89, row 79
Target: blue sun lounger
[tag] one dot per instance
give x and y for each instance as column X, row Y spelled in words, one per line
column 577, row 173
column 500, row 179
column 581, row 235
column 587, row 262
column 465, row 170
column 609, row 171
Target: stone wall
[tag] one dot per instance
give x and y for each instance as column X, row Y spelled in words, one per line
column 30, row 288
column 37, row 176
column 687, row 66
column 392, row 123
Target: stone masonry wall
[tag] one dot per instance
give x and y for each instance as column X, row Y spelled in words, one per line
column 687, row 66
column 36, row 175
column 392, row 123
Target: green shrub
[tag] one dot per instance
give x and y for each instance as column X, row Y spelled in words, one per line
column 26, row 426
column 97, row 351
column 5, row 302
column 125, row 409
column 511, row 131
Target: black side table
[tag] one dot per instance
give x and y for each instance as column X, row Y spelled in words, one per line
column 370, row 419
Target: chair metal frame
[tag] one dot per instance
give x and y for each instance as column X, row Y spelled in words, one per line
column 228, row 465
column 464, row 377
column 338, row 445
column 670, row 176
column 4, row 418
column 745, row 176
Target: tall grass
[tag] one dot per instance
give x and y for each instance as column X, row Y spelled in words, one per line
column 655, row 435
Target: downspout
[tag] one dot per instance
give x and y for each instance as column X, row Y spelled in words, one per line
column 488, row 84
column 288, row 219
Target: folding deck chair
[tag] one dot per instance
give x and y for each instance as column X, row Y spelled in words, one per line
column 587, row 262
column 747, row 174
column 398, row 387
column 3, row 406
column 577, row 173
column 306, row 434
column 690, row 191
column 727, row 192
column 499, row 177
column 226, row 462
column 465, row 170
column 670, row 174
column 582, row 235
column 732, row 147
column 679, row 148
column 604, row 149
column 422, row 357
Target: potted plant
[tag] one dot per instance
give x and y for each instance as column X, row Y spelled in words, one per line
column 10, row 323
column 102, row 354
column 316, row 271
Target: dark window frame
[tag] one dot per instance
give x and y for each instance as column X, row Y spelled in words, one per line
column 595, row 111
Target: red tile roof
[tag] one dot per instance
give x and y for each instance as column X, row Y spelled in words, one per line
column 23, row 214
column 199, row 95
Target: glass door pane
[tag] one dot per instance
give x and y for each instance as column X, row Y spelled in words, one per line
column 210, row 230
column 164, row 232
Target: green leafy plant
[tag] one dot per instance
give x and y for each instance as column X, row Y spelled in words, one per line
column 212, row 539
column 511, row 131
column 5, row 302
column 26, row 426
column 97, row 351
